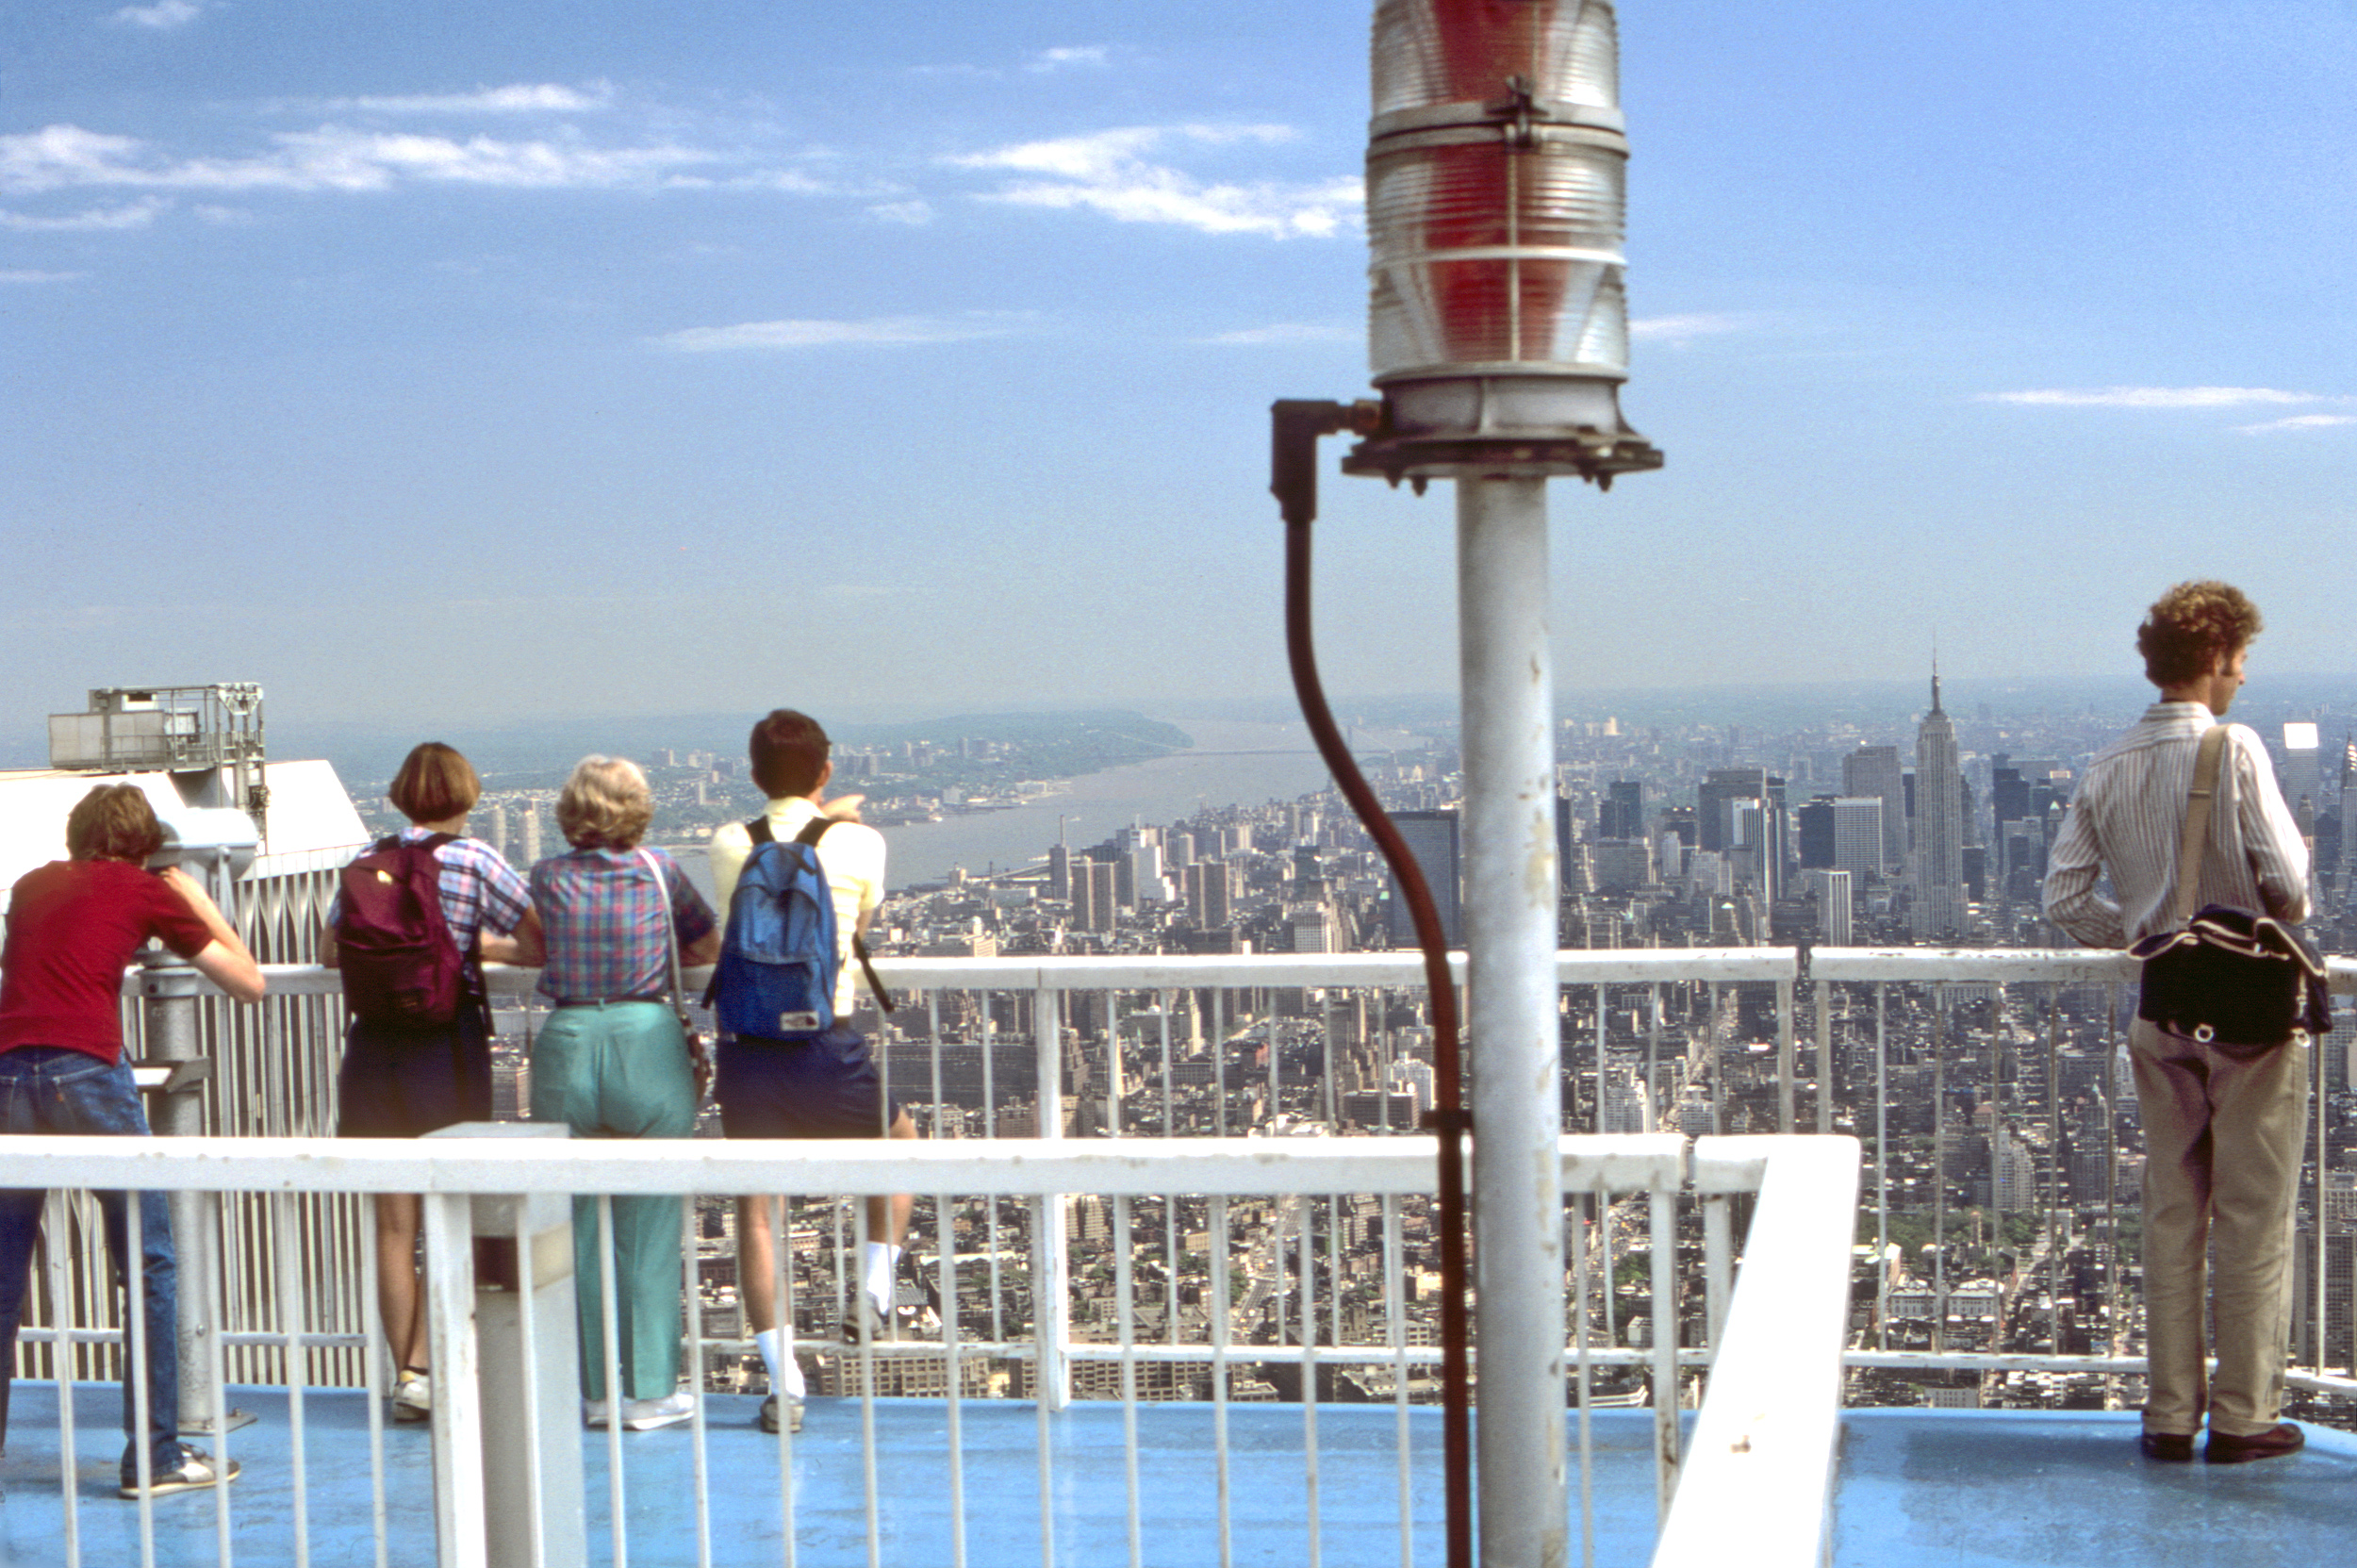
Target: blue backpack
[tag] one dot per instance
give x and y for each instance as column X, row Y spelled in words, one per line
column 779, row 956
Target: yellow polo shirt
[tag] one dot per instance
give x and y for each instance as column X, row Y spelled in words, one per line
column 852, row 854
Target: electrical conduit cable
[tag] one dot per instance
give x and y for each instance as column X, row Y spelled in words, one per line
column 1297, row 425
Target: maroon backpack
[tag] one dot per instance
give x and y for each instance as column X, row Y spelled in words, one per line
column 400, row 963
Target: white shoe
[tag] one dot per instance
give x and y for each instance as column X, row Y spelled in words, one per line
column 645, row 1415
column 413, row 1396
column 642, row 1415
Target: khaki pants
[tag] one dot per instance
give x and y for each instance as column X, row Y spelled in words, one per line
column 2221, row 1164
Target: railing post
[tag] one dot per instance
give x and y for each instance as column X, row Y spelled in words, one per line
column 527, row 1349
column 460, row 1517
column 1786, row 1067
column 170, row 993
column 1051, row 1305
column 1663, row 1219
column 1515, row 1042
column 1825, row 1056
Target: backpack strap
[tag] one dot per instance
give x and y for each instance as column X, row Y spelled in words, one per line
column 477, row 982
column 812, row 832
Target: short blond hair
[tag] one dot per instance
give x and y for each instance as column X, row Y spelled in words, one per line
column 605, row 804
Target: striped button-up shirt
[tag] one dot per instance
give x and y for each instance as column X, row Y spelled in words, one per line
column 2130, row 812
column 602, row 914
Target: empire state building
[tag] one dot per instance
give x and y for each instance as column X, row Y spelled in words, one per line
column 1940, row 827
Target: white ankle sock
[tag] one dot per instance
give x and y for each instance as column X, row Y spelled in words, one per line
column 785, row 1373
column 883, row 1262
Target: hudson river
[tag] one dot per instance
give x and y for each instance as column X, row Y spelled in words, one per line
column 1232, row 764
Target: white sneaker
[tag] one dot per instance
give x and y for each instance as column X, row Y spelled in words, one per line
column 642, row 1415
column 413, row 1396
column 645, row 1416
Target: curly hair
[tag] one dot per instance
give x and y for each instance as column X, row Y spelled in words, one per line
column 605, row 804
column 2191, row 627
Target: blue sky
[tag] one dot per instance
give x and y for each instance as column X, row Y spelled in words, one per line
column 445, row 359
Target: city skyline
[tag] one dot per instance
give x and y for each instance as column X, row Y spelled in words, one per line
column 394, row 367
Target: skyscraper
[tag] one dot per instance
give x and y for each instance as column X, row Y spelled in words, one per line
column 1622, row 812
column 1715, row 795
column 1832, row 891
column 1857, row 836
column 1939, row 826
column 1431, row 838
column 1874, row 770
column 2302, row 775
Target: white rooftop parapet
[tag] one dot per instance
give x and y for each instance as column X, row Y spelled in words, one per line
column 1758, row 1475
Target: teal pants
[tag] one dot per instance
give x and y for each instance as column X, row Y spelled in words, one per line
column 620, row 1070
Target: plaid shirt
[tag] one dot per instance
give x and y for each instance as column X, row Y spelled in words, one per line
column 480, row 890
column 602, row 917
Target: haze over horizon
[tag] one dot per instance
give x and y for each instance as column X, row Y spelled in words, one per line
column 616, row 360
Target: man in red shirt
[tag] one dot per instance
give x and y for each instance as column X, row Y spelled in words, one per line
column 73, row 927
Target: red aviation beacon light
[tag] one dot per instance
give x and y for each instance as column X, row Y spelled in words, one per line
column 1496, row 189
column 1498, row 336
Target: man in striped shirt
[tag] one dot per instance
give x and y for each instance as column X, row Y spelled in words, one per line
column 2221, row 1134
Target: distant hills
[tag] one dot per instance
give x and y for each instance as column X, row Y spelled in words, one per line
column 539, row 754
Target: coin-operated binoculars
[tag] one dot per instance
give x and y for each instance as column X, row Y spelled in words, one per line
column 215, row 845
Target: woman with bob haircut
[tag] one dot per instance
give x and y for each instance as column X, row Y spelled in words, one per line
column 405, row 1080
column 612, row 1063
column 73, row 927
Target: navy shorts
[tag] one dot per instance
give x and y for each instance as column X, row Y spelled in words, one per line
column 399, row 1082
column 826, row 1086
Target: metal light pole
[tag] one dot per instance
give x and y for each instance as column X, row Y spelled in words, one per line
column 1498, row 335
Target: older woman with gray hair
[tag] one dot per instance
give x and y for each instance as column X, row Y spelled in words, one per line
column 612, row 1063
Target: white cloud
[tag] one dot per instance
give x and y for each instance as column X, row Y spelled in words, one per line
column 914, row 213
column 1289, row 332
column 132, row 215
column 2154, row 396
column 27, row 276
column 335, row 157
column 2301, row 421
column 517, row 98
column 163, row 16
column 222, row 216
column 1108, row 171
column 1677, row 330
column 1092, row 56
column 823, row 334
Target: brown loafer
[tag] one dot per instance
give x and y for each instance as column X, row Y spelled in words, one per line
column 2281, row 1439
column 2168, row 1447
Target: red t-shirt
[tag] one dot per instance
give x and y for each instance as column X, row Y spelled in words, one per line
column 73, row 926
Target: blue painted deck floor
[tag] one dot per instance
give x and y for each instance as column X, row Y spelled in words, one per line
column 1917, row 1487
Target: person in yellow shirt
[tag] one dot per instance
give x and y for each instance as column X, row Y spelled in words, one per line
column 824, row 1086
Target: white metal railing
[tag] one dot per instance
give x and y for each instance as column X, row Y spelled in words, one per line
column 1786, row 1308
column 1841, row 1021
column 1819, row 1079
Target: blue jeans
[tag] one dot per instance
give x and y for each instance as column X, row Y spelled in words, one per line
column 51, row 1089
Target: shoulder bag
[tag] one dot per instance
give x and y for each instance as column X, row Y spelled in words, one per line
column 2237, row 980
